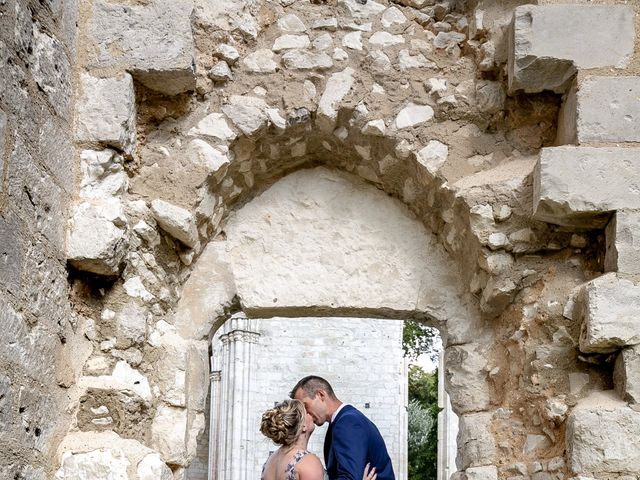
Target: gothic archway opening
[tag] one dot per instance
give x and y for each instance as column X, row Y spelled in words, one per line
column 322, row 243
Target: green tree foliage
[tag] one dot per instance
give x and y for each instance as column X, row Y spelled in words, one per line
column 423, row 402
column 418, row 339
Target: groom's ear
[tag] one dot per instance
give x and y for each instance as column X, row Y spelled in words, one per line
column 322, row 394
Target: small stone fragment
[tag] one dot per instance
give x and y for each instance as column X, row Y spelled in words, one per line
column 374, row 127
column 497, row 240
column 291, row 24
column 330, row 24
column 448, row 39
column 306, row 60
column 413, row 115
column 248, row 119
column 215, row 126
column 176, row 221
column 220, row 72
column 288, row 42
column 227, row 53
column 353, row 40
column 261, row 61
column 385, row 39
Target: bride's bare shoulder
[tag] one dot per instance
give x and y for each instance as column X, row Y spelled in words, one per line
column 310, row 468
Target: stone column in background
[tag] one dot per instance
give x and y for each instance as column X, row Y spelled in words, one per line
column 447, row 428
column 230, row 407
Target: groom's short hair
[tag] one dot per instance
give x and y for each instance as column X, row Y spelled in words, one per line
column 310, row 386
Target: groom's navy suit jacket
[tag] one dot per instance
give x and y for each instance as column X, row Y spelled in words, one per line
column 352, row 441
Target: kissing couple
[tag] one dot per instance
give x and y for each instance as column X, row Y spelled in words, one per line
column 353, row 446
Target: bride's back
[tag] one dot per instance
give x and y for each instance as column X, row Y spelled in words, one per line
column 292, row 464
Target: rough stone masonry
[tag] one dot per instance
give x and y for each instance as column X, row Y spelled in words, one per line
column 497, row 141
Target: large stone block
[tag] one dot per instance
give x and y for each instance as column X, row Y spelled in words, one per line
column 107, row 112
column 169, row 434
column 152, row 41
column 209, row 290
column 97, row 238
column 609, row 309
column 476, row 445
column 626, row 374
column 580, row 186
column 601, row 109
column 466, row 378
column 105, row 455
column 603, row 436
column 623, row 243
column 549, row 43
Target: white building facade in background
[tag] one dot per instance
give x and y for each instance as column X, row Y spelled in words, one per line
column 256, row 362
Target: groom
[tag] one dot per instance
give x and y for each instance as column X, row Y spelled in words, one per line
column 352, row 439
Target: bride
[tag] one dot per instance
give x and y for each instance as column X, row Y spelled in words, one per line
column 290, row 426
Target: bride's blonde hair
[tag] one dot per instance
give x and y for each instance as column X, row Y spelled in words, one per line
column 283, row 423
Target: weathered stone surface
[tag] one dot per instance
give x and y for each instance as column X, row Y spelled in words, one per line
column 209, row 289
column 338, row 86
column 176, row 221
column 51, row 69
column 476, row 445
column 168, row 434
column 12, row 254
column 214, row 126
column 228, row 53
column 103, row 174
column 385, row 39
column 260, row 61
column 623, row 243
column 549, row 43
column 601, row 109
column 577, row 186
column 102, row 455
column 152, row 41
column 151, row 467
column 97, row 238
column 433, row 156
column 306, row 60
column 34, row 196
column 626, row 375
column 248, row 119
column 608, row 309
column 466, row 378
column 107, row 112
column 603, row 436
column 109, row 464
column 131, row 325
column 291, row 24
column 220, row 72
column 304, row 204
column 287, row 42
column 489, row 472
column 448, row 39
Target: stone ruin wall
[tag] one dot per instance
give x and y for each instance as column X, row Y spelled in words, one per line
column 513, row 147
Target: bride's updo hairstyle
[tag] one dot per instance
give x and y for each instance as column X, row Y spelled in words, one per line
column 283, row 423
